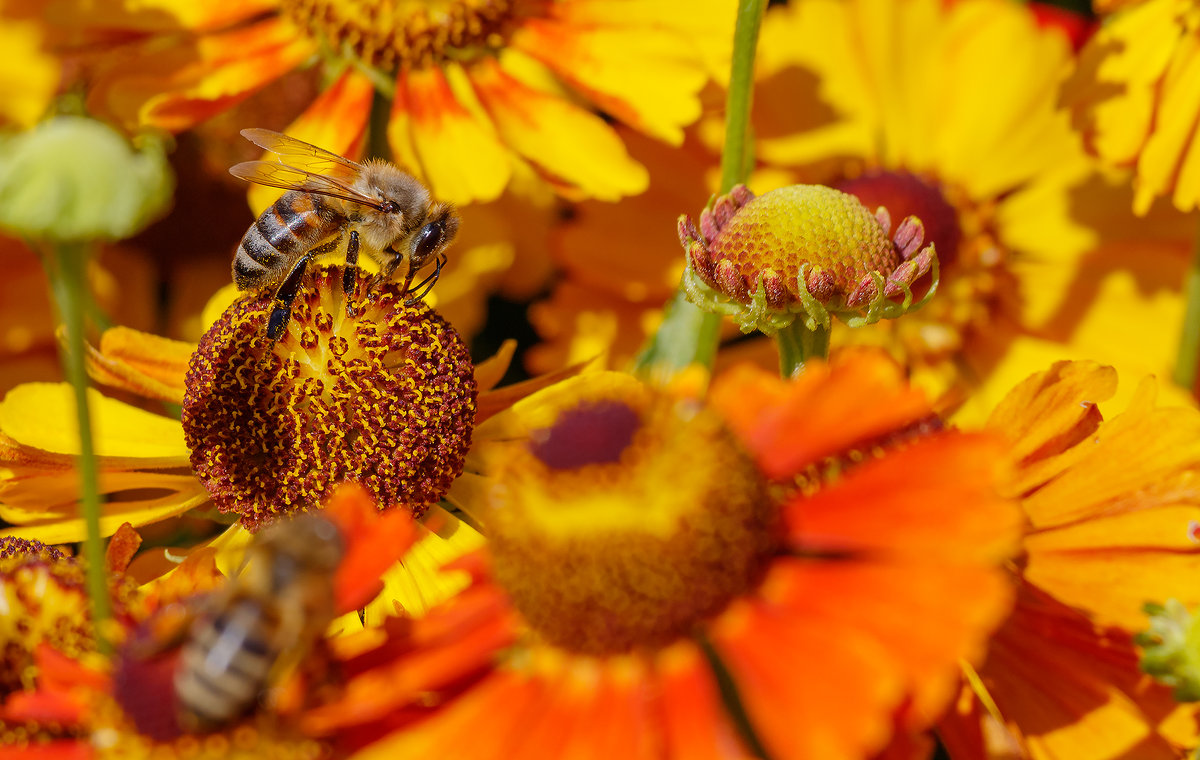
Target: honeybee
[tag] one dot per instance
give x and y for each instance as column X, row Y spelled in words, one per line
column 264, row 620
column 372, row 208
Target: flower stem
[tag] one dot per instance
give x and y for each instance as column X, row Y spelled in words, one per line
column 797, row 344
column 688, row 335
column 69, row 276
column 1189, row 345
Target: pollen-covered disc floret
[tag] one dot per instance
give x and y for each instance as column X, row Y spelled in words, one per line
column 385, row 398
column 803, row 251
column 626, row 516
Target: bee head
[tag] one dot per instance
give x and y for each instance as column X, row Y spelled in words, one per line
column 439, row 229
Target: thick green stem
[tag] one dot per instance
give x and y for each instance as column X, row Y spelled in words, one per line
column 1189, row 345
column 69, row 272
column 797, row 344
column 687, row 334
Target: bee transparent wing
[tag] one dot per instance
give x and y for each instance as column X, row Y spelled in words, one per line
column 295, row 178
column 304, row 155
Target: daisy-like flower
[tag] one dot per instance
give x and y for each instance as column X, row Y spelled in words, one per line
column 1133, row 100
column 943, row 111
column 1109, row 506
column 660, row 580
column 128, row 706
column 480, row 89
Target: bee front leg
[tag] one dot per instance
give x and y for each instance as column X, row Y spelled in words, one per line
column 350, row 276
column 284, row 297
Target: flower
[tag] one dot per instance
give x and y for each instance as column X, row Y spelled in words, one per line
column 129, row 706
column 1108, row 506
column 467, row 79
column 1131, row 98
column 802, row 251
column 928, row 109
column 660, row 576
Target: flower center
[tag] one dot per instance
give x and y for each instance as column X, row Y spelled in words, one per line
column 625, row 517
column 385, row 398
column 405, row 33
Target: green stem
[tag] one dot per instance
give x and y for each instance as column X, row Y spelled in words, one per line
column 377, row 138
column 69, row 273
column 737, row 157
column 1189, row 345
column 687, row 334
column 797, row 344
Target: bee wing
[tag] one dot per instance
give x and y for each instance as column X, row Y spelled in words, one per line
column 295, row 178
column 302, row 154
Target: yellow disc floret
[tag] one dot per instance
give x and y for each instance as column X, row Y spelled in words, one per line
column 625, row 516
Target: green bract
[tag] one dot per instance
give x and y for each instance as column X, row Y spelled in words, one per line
column 76, row 179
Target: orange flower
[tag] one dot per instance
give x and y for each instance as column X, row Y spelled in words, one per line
column 80, row 706
column 654, row 583
column 480, row 91
column 1109, row 505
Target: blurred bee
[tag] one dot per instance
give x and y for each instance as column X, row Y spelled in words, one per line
column 372, row 208
column 263, row 622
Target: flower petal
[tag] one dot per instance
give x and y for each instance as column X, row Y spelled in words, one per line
column 335, row 121
column 449, row 144
column 790, row 425
column 174, row 87
column 42, row 415
column 570, row 147
column 142, row 363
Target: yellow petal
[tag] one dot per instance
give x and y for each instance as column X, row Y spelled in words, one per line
column 335, row 121
column 145, row 364
column 569, row 146
column 445, row 141
column 42, row 415
column 28, row 76
column 489, row 372
column 46, row 508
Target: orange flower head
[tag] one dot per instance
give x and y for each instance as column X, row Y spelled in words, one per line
column 385, row 398
column 584, row 502
column 803, row 250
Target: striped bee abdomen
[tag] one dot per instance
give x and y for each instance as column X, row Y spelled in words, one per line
column 224, row 666
column 287, row 230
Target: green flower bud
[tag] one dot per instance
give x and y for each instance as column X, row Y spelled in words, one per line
column 77, row 179
column 1171, row 649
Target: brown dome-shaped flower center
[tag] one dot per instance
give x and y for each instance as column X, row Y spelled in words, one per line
column 388, row 35
column 385, row 398
column 626, row 516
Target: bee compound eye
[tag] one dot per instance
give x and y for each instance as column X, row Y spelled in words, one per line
column 428, row 239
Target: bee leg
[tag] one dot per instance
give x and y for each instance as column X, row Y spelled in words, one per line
column 350, row 276
column 427, row 284
column 284, row 297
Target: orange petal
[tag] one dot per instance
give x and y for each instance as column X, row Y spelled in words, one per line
column 490, row 371
column 174, row 87
column 568, row 145
column 495, row 401
column 694, row 719
column 121, row 548
column 826, row 410
column 909, row 504
column 335, row 121
column 1069, row 689
column 142, row 363
column 449, row 144
column 374, row 542
column 810, row 691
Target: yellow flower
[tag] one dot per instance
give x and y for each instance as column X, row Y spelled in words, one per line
column 1109, row 508
column 1134, row 98
column 480, row 91
column 29, row 76
column 942, row 110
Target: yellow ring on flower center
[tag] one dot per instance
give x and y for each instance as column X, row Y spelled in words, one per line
column 390, row 35
column 385, row 398
column 626, row 517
